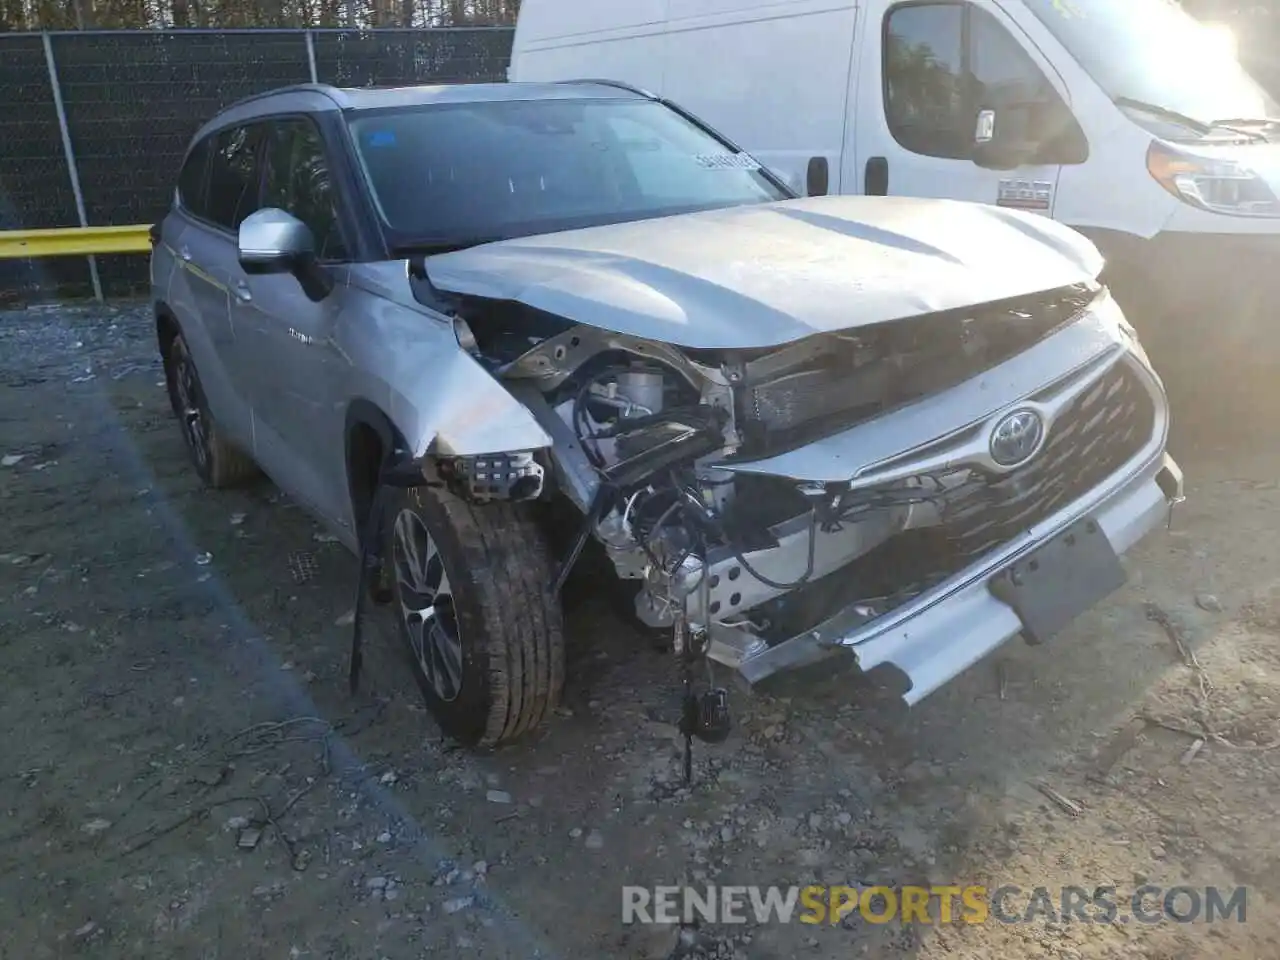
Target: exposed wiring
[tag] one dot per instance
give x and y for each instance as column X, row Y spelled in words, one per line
column 775, row 584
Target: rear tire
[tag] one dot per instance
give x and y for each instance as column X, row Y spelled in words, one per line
column 473, row 605
column 218, row 461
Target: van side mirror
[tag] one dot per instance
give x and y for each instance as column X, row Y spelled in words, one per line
column 274, row 241
column 817, row 177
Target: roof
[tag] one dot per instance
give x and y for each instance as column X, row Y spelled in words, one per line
column 367, row 98
column 320, row 97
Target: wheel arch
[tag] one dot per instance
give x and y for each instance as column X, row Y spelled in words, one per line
column 167, row 327
column 368, row 437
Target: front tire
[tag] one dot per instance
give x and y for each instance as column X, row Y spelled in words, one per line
column 473, row 606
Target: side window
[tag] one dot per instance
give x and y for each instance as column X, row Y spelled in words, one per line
column 194, row 179
column 298, row 181
column 234, row 175
column 944, row 63
column 924, row 80
column 1008, row 81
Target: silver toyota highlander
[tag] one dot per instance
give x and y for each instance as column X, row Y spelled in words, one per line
column 486, row 332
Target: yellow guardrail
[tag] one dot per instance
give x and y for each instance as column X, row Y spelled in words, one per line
column 74, row 241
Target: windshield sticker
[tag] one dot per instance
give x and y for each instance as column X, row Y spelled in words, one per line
column 381, row 138
column 1066, row 8
column 727, row 161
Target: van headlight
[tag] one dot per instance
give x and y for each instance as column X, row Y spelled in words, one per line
column 1220, row 186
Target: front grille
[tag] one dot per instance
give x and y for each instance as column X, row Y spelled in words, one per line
column 1101, row 429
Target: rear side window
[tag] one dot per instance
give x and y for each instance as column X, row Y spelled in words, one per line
column 234, row 175
column 298, row 180
column 194, row 179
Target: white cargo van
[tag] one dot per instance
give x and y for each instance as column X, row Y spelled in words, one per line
column 1121, row 118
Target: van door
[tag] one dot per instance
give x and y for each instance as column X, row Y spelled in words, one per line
column 953, row 101
column 772, row 76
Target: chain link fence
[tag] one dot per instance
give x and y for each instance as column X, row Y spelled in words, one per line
column 130, row 101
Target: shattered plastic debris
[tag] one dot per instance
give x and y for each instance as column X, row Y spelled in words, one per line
column 204, row 559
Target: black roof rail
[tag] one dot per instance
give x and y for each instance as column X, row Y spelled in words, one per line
column 639, row 91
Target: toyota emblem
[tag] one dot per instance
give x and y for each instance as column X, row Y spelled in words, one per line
column 1016, row 438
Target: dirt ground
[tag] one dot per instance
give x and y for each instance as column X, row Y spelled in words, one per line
column 183, row 773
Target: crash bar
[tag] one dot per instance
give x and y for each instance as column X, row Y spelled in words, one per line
column 74, row 241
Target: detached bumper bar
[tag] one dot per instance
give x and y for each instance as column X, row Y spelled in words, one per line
column 941, row 633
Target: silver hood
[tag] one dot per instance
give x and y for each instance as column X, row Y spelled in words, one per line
column 759, row 276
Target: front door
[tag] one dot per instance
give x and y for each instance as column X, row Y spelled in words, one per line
column 286, row 339
column 928, row 74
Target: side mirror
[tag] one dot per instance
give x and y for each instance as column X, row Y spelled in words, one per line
column 273, row 241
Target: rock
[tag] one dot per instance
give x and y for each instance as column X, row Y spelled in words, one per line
column 726, row 834
column 388, row 778
column 1158, row 852
column 236, row 823
column 457, row 904
column 95, row 826
column 498, row 796
column 815, row 822
column 480, row 868
column 384, row 837
column 1207, row 601
column 12, row 459
column 346, row 620
column 376, row 883
column 844, row 818
column 575, row 833
column 594, row 841
column 87, row 930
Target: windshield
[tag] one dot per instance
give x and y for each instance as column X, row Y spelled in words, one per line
column 1153, row 52
column 465, row 172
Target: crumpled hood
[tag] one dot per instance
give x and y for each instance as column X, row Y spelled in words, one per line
column 759, row 276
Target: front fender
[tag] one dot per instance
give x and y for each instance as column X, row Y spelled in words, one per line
column 462, row 411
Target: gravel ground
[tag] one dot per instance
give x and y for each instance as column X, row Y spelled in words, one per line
column 185, row 775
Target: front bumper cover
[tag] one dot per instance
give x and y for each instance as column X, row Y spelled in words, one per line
column 942, row 632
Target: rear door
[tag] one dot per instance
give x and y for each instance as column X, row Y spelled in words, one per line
column 927, row 71
column 286, row 339
column 217, row 188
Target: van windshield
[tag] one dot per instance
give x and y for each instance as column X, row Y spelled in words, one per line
column 1152, row 52
column 447, row 175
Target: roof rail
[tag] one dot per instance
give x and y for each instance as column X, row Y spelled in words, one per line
column 639, row 91
column 324, row 88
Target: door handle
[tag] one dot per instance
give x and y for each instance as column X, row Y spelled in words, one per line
column 185, row 254
column 875, row 181
column 242, row 291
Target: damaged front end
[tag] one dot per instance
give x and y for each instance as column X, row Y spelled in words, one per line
column 853, row 491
